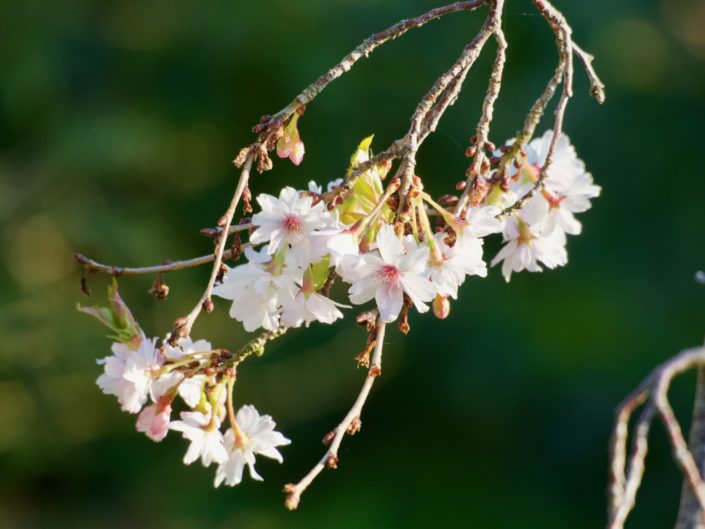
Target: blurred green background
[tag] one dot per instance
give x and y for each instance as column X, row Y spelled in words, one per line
column 118, row 121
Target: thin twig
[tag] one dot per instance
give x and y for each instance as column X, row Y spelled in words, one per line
column 597, row 87
column 255, row 346
column 92, row 266
column 415, row 136
column 170, row 266
column 564, row 43
column 350, row 424
column 182, row 326
column 477, row 169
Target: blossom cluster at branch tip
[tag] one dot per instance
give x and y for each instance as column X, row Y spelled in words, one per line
column 537, row 233
column 158, row 374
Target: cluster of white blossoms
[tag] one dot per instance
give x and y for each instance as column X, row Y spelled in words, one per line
column 301, row 242
column 147, row 378
column 537, row 232
column 299, row 239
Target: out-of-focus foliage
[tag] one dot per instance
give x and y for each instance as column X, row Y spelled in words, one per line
column 117, row 124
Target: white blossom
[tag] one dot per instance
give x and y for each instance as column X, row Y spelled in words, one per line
column 307, row 307
column 258, row 291
column 527, row 246
column 464, row 258
column 258, row 438
column 206, row 439
column 191, row 388
column 129, row 374
column 184, row 347
column 389, row 273
column 288, row 219
column 568, row 186
column 482, row 221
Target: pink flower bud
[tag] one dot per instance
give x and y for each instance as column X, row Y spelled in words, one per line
column 154, row 421
column 290, row 144
column 297, row 152
column 441, row 307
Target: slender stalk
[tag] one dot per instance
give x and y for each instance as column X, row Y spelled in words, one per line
column 182, row 326
column 689, row 515
column 349, row 424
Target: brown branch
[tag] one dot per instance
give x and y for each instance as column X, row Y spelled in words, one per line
column 89, row 265
column 653, row 391
column 564, row 43
column 350, row 424
column 364, row 50
column 597, row 87
column 182, row 326
column 457, row 72
column 480, row 163
column 689, row 516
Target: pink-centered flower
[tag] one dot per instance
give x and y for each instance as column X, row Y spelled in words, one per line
column 289, row 219
column 389, row 273
column 129, row 374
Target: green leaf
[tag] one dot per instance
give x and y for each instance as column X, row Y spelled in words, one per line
column 117, row 317
column 362, row 153
column 320, row 272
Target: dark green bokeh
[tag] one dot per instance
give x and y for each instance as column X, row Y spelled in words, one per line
column 117, row 124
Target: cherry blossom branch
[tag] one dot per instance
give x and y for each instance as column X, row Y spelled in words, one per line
column 415, row 137
column 89, row 265
column 364, row 50
column 653, row 392
column 182, row 326
column 350, row 425
column 255, row 346
column 480, row 164
column 566, row 48
column 564, row 43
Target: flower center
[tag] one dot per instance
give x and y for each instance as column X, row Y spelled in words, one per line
column 292, row 223
column 389, row 273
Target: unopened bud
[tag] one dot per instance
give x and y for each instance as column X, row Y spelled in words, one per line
column 208, row 305
column 328, row 439
column 441, row 307
column 461, row 185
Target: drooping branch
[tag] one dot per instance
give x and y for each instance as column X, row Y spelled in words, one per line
column 480, row 165
column 350, row 424
column 365, row 49
column 625, row 478
column 456, row 73
column 182, row 326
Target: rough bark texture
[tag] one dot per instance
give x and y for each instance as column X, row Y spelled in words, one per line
column 689, row 515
